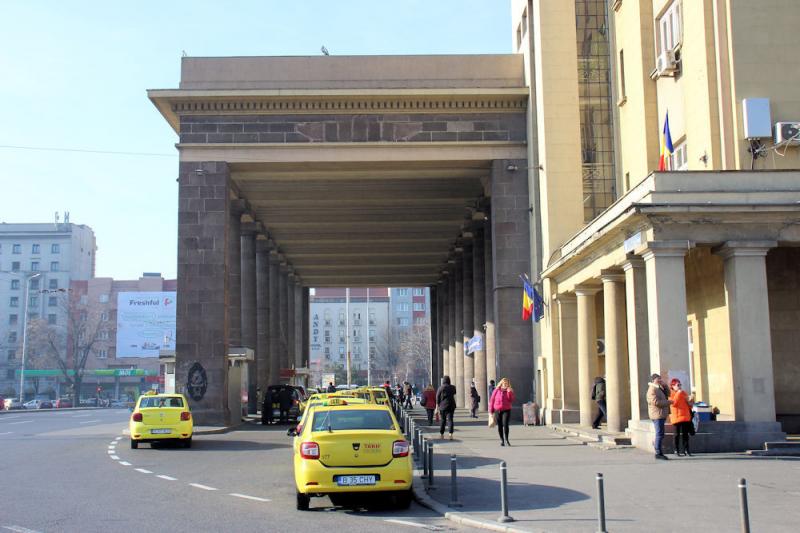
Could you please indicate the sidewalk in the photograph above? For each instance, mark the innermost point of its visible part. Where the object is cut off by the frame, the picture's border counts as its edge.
(552, 483)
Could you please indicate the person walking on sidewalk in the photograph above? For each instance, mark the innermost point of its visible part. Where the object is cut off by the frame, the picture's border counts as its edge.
(500, 407)
(408, 393)
(491, 387)
(475, 399)
(446, 403)
(599, 396)
(658, 410)
(680, 414)
(429, 402)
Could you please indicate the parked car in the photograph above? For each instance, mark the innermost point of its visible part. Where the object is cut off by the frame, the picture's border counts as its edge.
(62, 403)
(12, 403)
(119, 404)
(38, 404)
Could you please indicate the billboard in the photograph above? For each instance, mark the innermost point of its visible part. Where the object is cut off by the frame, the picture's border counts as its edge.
(145, 323)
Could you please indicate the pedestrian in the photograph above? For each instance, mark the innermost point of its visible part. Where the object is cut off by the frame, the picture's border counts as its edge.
(476, 400)
(409, 394)
(491, 387)
(429, 402)
(401, 398)
(680, 415)
(658, 408)
(599, 396)
(266, 408)
(500, 407)
(331, 387)
(446, 404)
(284, 403)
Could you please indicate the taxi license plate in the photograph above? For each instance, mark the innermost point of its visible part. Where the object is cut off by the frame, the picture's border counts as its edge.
(348, 481)
(160, 431)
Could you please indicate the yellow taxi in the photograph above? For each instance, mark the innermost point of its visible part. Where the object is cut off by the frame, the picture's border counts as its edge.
(374, 394)
(158, 417)
(324, 395)
(346, 446)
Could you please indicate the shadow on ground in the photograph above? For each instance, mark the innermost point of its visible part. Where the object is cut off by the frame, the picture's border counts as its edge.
(206, 444)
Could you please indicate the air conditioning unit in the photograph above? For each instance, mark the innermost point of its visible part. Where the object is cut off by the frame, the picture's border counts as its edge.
(787, 132)
(666, 63)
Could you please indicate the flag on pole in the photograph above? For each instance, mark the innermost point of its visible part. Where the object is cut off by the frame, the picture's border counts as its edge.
(532, 302)
(666, 146)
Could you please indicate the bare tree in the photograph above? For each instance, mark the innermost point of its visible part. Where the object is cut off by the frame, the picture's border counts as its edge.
(69, 343)
(414, 354)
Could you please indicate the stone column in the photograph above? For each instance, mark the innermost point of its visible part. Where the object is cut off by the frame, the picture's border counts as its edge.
(235, 272)
(274, 316)
(451, 324)
(587, 350)
(283, 303)
(491, 338)
(444, 336)
(306, 322)
(511, 253)
(203, 301)
(290, 320)
(568, 356)
(468, 313)
(638, 336)
(479, 314)
(298, 322)
(459, 330)
(434, 328)
(262, 312)
(666, 306)
(615, 332)
(248, 306)
(746, 297)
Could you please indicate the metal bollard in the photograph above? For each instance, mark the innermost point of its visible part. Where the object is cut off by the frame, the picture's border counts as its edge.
(424, 459)
(453, 484)
(430, 465)
(421, 445)
(504, 493)
(743, 502)
(601, 505)
(417, 452)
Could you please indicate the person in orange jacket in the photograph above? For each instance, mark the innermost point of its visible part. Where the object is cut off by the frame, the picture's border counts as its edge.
(680, 414)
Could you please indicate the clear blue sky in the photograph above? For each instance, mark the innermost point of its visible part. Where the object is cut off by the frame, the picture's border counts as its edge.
(74, 76)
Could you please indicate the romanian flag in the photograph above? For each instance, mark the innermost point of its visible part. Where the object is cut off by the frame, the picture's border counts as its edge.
(666, 146)
(532, 302)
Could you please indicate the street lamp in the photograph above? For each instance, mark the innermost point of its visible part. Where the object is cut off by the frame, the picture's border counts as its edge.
(28, 279)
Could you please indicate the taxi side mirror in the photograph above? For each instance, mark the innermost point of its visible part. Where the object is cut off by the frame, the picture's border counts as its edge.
(292, 432)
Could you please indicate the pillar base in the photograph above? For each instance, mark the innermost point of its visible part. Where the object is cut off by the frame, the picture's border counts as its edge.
(563, 416)
(712, 437)
(211, 417)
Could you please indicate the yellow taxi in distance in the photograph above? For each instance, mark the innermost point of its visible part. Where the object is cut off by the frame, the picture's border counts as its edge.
(374, 394)
(324, 395)
(158, 417)
(351, 447)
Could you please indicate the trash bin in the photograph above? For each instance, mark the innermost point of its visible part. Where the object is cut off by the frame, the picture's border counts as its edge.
(703, 411)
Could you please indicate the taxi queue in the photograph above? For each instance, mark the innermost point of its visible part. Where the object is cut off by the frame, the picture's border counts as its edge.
(346, 444)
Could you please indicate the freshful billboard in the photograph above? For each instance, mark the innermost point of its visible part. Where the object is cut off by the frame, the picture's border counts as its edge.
(145, 323)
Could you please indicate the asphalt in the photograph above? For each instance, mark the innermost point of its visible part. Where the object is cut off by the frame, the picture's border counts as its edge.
(75, 472)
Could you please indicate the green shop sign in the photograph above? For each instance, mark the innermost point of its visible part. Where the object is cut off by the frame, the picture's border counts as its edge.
(101, 372)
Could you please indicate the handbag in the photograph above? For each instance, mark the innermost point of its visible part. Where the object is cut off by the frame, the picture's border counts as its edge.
(492, 422)
(436, 415)
(423, 401)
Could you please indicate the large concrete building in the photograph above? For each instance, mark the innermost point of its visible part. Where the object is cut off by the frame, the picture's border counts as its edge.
(460, 173)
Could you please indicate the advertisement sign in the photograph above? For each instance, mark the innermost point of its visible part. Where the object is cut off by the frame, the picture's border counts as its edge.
(145, 323)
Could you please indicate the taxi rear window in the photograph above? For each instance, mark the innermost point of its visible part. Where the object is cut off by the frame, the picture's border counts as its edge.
(379, 394)
(155, 401)
(352, 419)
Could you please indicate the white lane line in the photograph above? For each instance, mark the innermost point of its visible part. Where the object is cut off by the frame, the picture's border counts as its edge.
(115, 457)
(6, 432)
(81, 416)
(88, 421)
(124, 463)
(246, 497)
(168, 478)
(10, 417)
(118, 439)
(111, 452)
(112, 447)
(143, 471)
(20, 529)
(199, 486)
(414, 524)
(23, 422)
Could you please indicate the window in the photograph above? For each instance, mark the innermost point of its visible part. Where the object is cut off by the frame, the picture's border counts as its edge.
(52, 301)
(103, 298)
(372, 351)
(33, 316)
(102, 354)
(678, 159)
(34, 284)
(84, 299)
(34, 266)
(14, 284)
(372, 335)
(402, 307)
(53, 284)
(16, 249)
(54, 266)
(420, 321)
(402, 321)
(36, 249)
(327, 353)
(12, 337)
(15, 266)
(341, 338)
(12, 354)
(10, 373)
(83, 316)
(670, 28)
(51, 319)
(419, 292)
(55, 249)
(327, 336)
(402, 292)
(341, 350)
(13, 301)
(12, 320)
(34, 301)
(103, 335)
(419, 307)
(104, 316)
(622, 96)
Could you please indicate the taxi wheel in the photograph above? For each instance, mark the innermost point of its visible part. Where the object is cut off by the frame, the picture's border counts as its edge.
(403, 499)
(134, 444)
(302, 501)
(187, 443)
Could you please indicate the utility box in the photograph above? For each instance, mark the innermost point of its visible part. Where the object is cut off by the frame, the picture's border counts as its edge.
(757, 118)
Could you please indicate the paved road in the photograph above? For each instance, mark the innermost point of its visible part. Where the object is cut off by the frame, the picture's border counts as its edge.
(74, 471)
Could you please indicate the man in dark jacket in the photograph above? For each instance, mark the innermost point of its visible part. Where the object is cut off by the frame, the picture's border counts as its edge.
(266, 408)
(446, 403)
(285, 403)
(331, 387)
(599, 396)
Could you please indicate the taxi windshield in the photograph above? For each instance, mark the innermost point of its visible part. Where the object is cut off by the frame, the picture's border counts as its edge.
(379, 394)
(352, 419)
(155, 401)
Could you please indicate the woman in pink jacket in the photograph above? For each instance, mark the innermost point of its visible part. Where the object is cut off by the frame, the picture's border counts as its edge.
(500, 408)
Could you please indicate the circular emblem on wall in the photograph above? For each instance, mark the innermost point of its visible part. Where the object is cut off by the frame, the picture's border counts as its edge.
(197, 383)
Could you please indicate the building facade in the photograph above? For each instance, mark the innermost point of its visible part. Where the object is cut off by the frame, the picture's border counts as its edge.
(47, 258)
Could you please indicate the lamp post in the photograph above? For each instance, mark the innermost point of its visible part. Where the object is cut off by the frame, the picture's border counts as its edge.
(28, 279)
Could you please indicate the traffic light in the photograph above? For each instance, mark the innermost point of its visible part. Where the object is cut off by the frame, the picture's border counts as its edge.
(99, 389)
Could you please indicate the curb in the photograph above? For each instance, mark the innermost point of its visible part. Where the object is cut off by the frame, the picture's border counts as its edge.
(218, 431)
(32, 411)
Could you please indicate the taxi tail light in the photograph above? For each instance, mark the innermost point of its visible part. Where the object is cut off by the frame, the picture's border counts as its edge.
(309, 450)
(186, 415)
(400, 448)
(137, 417)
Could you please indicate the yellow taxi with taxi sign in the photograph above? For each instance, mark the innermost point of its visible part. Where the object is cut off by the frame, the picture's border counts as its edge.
(374, 394)
(158, 417)
(347, 446)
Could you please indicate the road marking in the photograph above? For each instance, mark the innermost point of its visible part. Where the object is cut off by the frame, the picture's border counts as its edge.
(80, 416)
(143, 471)
(246, 497)
(10, 417)
(168, 478)
(20, 529)
(118, 439)
(23, 422)
(414, 524)
(199, 486)
(124, 463)
(88, 421)
(111, 452)
(6, 433)
(112, 447)
(115, 457)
